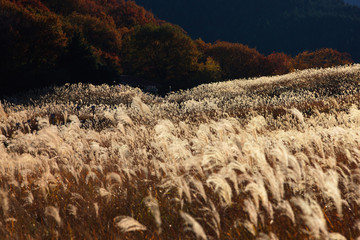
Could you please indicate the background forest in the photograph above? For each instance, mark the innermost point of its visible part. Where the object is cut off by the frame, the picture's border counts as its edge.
(52, 42)
(289, 26)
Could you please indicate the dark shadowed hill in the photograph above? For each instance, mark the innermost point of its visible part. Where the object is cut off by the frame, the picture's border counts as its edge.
(353, 2)
(290, 26)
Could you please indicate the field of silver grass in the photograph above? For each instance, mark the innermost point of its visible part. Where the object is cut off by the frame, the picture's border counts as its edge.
(267, 158)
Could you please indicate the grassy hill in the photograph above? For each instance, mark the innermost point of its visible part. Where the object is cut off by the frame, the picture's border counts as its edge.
(272, 157)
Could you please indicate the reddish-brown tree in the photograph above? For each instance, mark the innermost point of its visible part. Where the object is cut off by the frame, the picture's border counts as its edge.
(128, 14)
(34, 4)
(100, 34)
(237, 60)
(278, 63)
(29, 37)
(323, 58)
(161, 53)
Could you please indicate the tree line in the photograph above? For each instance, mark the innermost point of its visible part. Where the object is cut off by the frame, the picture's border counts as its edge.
(52, 42)
(289, 26)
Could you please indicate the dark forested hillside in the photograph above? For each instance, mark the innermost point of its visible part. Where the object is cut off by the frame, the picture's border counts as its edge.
(353, 2)
(289, 26)
(53, 42)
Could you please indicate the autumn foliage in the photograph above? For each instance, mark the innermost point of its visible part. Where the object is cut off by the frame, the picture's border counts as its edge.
(47, 42)
(30, 43)
(162, 52)
(34, 4)
(278, 64)
(36, 38)
(326, 57)
(128, 14)
(240, 61)
(166, 54)
(237, 60)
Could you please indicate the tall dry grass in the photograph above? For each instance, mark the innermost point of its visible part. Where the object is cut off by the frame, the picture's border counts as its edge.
(268, 158)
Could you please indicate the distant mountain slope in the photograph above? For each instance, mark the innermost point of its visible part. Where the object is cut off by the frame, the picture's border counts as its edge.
(290, 26)
(353, 2)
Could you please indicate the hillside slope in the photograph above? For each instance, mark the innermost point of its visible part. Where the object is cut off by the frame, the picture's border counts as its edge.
(353, 2)
(266, 158)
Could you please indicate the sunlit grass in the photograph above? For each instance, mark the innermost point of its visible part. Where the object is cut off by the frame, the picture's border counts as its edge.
(268, 158)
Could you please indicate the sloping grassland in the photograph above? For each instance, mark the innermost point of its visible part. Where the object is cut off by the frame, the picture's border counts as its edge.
(267, 158)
